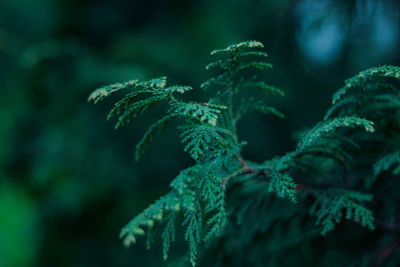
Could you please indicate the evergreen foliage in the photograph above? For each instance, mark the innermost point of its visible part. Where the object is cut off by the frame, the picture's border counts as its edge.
(225, 201)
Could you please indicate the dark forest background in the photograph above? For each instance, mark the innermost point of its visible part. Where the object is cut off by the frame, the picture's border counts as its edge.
(68, 180)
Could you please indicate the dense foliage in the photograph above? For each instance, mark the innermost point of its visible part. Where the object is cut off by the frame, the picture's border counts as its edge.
(343, 169)
(69, 181)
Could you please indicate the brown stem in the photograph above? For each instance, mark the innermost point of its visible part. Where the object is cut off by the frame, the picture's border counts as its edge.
(247, 169)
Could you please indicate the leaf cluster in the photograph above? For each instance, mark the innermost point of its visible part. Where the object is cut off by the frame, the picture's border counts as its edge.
(330, 174)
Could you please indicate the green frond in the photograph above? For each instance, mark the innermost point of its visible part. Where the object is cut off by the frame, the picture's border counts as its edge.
(264, 88)
(226, 65)
(178, 88)
(202, 112)
(268, 110)
(182, 182)
(387, 162)
(223, 186)
(238, 46)
(380, 103)
(210, 189)
(156, 83)
(200, 138)
(133, 110)
(344, 103)
(278, 164)
(252, 53)
(218, 221)
(128, 107)
(168, 235)
(343, 139)
(147, 218)
(223, 64)
(105, 91)
(154, 129)
(221, 80)
(329, 207)
(150, 237)
(366, 99)
(283, 186)
(255, 65)
(328, 126)
(333, 152)
(193, 222)
(250, 104)
(364, 77)
(339, 93)
(213, 194)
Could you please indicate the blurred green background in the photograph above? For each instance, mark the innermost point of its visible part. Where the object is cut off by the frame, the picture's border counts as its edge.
(69, 182)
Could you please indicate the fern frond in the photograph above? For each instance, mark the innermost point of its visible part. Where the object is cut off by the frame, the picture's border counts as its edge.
(343, 139)
(382, 103)
(210, 188)
(181, 183)
(201, 193)
(154, 129)
(200, 138)
(147, 219)
(156, 83)
(250, 104)
(329, 208)
(193, 222)
(322, 150)
(105, 91)
(344, 103)
(219, 220)
(268, 110)
(168, 234)
(134, 110)
(252, 53)
(221, 80)
(328, 126)
(283, 186)
(202, 112)
(241, 45)
(387, 162)
(178, 88)
(223, 64)
(264, 88)
(363, 77)
(255, 65)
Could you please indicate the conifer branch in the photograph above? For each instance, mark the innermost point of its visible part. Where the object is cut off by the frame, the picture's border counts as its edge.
(325, 172)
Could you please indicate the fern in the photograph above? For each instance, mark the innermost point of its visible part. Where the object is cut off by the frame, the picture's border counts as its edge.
(330, 205)
(202, 112)
(157, 127)
(283, 185)
(363, 77)
(331, 125)
(387, 162)
(200, 138)
(324, 176)
(193, 223)
(168, 234)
